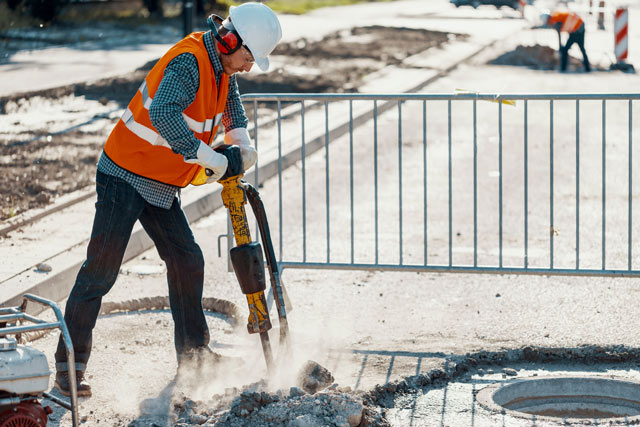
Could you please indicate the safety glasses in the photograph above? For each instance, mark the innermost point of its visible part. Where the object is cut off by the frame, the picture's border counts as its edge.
(248, 57)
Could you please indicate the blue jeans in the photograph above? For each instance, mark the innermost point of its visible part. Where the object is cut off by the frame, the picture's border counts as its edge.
(118, 207)
(578, 38)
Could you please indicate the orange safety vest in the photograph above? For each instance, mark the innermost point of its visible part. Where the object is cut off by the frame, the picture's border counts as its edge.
(570, 21)
(135, 145)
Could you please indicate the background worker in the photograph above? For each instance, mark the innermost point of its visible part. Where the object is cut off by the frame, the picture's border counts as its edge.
(568, 22)
(161, 144)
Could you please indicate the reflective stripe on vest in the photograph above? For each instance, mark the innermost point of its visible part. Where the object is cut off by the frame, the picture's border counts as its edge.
(571, 24)
(148, 134)
(151, 135)
(570, 21)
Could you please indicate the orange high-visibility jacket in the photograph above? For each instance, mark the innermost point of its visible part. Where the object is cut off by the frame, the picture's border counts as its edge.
(570, 21)
(135, 145)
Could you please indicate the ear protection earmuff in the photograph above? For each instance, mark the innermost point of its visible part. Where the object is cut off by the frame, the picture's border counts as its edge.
(229, 41)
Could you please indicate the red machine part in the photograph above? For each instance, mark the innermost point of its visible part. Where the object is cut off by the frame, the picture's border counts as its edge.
(25, 414)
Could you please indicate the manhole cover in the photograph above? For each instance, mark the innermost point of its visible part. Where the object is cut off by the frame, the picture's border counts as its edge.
(568, 398)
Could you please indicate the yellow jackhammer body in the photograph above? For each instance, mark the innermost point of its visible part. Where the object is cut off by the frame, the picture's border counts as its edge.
(247, 256)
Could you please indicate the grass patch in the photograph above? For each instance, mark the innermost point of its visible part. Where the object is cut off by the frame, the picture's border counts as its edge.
(128, 13)
(299, 7)
(10, 211)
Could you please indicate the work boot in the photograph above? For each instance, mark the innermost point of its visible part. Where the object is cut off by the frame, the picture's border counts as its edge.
(203, 362)
(198, 358)
(62, 383)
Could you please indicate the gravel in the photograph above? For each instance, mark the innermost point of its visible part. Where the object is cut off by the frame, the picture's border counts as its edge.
(253, 405)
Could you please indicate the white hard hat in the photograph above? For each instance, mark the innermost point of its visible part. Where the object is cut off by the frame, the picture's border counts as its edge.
(259, 28)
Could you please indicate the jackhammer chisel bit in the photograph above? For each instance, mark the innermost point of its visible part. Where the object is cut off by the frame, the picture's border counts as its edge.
(277, 287)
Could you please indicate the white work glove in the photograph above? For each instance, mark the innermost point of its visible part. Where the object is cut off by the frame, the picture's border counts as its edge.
(240, 137)
(209, 159)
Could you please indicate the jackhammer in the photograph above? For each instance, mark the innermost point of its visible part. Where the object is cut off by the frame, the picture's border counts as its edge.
(247, 256)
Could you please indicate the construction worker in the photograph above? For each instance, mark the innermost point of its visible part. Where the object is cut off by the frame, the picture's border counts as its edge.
(163, 143)
(568, 22)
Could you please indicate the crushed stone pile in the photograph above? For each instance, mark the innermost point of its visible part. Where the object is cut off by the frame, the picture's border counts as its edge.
(536, 56)
(315, 401)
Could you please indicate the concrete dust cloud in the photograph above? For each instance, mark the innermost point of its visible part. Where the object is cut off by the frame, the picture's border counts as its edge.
(300, 398)
(237, 390)
(231, 387)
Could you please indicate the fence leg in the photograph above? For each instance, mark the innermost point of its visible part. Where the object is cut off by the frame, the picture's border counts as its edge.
(601, 16)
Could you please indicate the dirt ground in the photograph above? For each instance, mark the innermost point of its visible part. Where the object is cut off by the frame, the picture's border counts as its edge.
(50, 141)
(537, 57)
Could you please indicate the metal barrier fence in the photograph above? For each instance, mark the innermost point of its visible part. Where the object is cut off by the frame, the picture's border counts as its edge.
(514, 183)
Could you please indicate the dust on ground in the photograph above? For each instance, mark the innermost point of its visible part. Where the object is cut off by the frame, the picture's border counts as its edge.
(50, 141)
(228, 392)
(231, 393)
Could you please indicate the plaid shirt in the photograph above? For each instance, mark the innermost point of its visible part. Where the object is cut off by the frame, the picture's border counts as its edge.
(176, 92)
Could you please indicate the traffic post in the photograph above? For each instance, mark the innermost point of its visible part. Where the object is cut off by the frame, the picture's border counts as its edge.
(621, 46)
(188, 11)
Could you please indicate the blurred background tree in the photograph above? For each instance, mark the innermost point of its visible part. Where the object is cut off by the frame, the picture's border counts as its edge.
(45, 10)
(202, 7)
(154, 7)
(48, 10)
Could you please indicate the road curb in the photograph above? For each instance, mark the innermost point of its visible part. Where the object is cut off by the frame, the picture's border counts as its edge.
(60, 204)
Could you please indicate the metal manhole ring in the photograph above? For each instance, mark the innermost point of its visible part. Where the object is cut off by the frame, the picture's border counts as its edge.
(566, 399)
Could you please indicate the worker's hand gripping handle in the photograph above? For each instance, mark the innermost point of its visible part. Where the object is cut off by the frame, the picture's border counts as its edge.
(234, 157)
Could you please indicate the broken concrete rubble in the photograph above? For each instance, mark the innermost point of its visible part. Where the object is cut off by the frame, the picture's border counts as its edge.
(261, 408)
(313, 377)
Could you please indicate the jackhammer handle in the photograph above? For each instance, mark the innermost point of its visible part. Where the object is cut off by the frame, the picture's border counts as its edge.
(234, 157)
